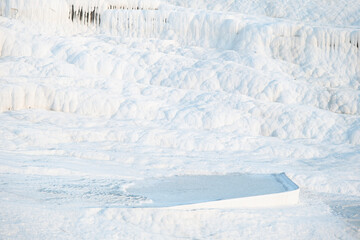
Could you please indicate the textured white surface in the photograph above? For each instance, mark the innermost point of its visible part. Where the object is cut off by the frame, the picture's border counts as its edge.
(177, 88)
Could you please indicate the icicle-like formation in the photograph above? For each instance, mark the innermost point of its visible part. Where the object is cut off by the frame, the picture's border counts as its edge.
(85, 15)
(136, 18)
(337, 39)
(295, 42)
(226, 31)
(133, 5)
(190, 28)
(79, 11)
(203, 29)
(89, 12)
(355, 39)
(133, 23)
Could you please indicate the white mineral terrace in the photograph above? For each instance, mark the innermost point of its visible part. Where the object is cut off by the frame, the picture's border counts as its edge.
(173, 119)
(217, 191)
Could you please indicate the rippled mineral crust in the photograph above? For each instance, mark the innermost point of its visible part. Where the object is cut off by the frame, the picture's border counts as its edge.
(96, 96)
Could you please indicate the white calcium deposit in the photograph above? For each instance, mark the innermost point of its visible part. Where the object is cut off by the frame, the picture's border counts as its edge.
(96, 95)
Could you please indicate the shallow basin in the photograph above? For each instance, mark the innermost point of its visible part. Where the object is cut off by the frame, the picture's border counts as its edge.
(217, 191)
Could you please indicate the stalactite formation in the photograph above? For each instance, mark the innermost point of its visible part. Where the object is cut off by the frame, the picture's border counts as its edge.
(355, 43)
(329, 40)
(137, 18)
(130, 8)
(91, 15)
(85, 16)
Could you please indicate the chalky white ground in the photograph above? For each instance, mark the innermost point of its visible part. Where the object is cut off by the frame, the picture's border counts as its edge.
(177, 88)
